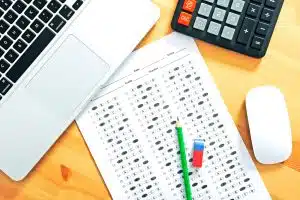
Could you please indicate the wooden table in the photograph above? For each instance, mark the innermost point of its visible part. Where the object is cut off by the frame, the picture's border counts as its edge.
(234, 74)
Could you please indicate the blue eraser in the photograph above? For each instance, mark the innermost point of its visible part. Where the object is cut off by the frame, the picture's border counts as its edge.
(198, 145)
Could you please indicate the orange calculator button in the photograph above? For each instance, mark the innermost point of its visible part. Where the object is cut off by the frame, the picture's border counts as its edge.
(184, 18)
(189, 5)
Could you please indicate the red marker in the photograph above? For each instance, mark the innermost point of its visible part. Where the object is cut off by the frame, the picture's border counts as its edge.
(198, 153)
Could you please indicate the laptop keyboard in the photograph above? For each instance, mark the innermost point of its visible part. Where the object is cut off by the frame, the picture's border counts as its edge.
(26, 29)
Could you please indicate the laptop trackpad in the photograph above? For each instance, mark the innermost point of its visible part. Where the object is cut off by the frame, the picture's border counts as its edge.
(67, 78)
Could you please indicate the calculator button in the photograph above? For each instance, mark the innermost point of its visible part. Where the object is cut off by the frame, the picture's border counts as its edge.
(228, 33)
(238, 5)
(200, 23)
(272, 3)
(219, 14)
(184, 19)
(253, 10)
(214, 28)
(266, 15)
(189, 5)
(246, 30)
(204, 9)
(232, 19)
(257, 42)
(262, 28)
(223, 3)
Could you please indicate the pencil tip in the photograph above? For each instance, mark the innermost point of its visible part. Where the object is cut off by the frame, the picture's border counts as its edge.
(178, 123)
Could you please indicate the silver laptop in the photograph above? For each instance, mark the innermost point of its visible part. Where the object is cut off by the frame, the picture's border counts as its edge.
(54, 56)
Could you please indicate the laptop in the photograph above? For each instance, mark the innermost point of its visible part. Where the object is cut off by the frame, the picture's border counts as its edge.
(55, 54)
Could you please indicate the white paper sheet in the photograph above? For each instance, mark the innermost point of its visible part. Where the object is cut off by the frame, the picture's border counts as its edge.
(129, 128)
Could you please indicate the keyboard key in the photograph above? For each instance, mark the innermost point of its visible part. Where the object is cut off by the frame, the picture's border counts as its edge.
(246, 30)
(219, 14)
(14, 32)
(204, 9)
(57, 23)
(33, 51)
(11, 56)
(45, 15)
(5, 86)
(184, 19)
(78, 3)
(54, 6)
(272, 3)
(257, 42)
(228, 33)
(266, 15)
(39, 3)
(4, 65)
(233, 19)
(66, 12)
(63, 1)
(1, 13)
(22, 22)
(253, 10)
(3, 26)
(19, 6)
(37, 26)
(200, 23)
(28, 36)
(188, 5)
(5, 42)
(20, 46)
(262, 28)
(10, 16)
(223, 3)
(238, 5)
(214, 28)
(31, 12)
(5, 4)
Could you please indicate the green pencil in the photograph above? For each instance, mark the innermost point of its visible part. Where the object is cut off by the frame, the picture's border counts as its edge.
(184, 165)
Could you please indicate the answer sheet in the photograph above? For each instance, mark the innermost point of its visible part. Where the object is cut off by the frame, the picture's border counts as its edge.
(130, 129)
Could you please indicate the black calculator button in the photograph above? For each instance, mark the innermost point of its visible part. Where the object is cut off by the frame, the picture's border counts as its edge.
(11, 56)
(3, 26)
(37, 26)
(272, 3)
(4, 4)
(257, 42)
(237, 5)
(10, 16)
(246, 30)
(57, 23)
(262, 28)
(5, 86)
(77, 4)
(257, 1)
(267, 15)
(20, 46)
(253, 10)
(4, 65)
(31, 12)
(66, 12)
(19, 6)
(22, 22)
(205, 10)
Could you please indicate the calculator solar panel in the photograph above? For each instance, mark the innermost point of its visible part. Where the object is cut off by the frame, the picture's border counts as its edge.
(244, 26)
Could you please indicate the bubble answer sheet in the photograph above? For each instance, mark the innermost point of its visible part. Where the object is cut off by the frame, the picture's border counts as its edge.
(129, 128)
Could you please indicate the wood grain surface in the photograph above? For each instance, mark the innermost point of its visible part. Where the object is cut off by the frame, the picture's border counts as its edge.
(67, 171)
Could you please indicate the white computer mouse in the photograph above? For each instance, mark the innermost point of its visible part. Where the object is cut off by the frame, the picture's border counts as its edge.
(269, 125)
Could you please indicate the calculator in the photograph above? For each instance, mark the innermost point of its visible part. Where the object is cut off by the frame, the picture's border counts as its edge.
(244, 26)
